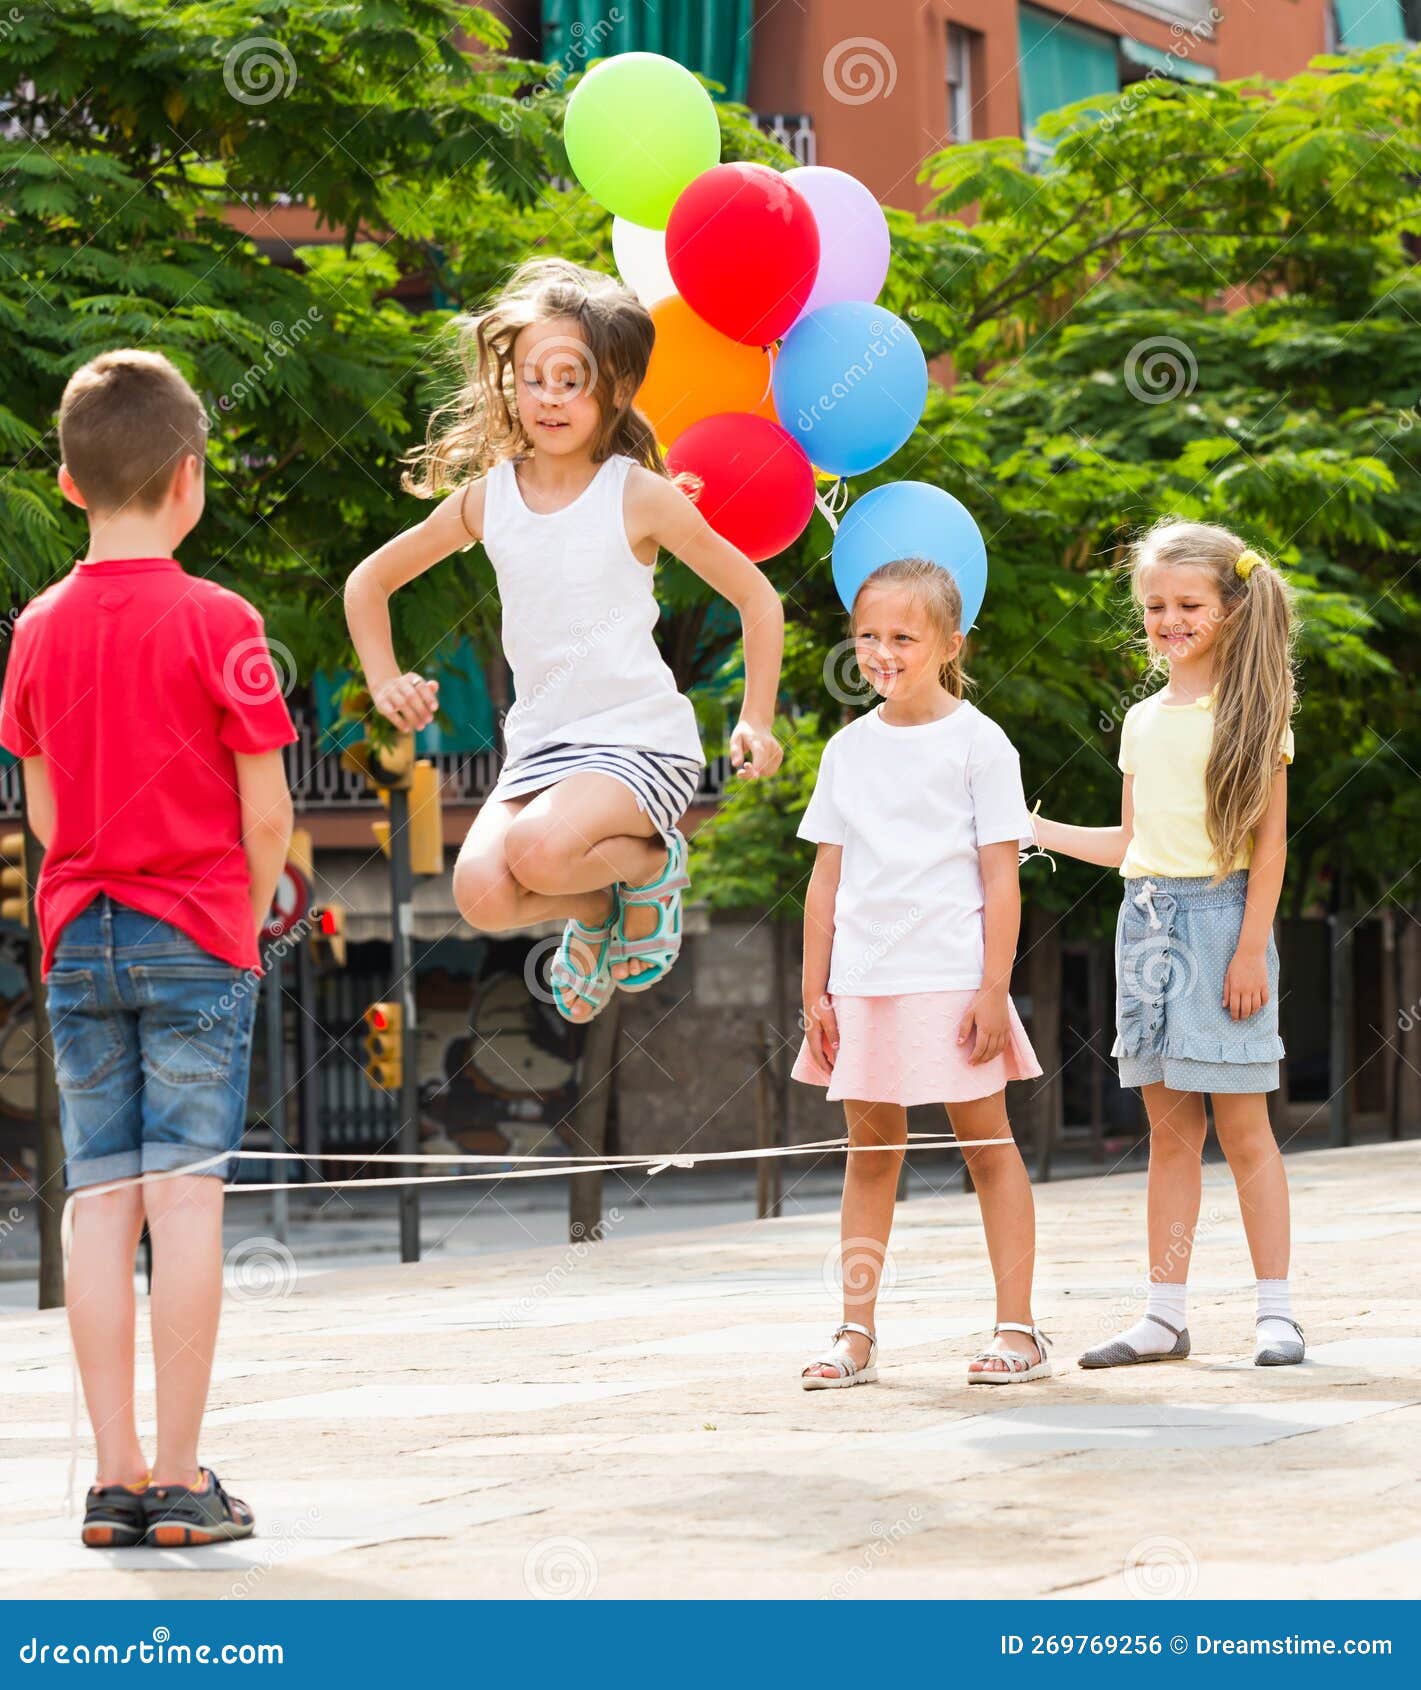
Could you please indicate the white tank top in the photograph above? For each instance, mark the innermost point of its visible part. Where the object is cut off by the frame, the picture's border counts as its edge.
(578, 613)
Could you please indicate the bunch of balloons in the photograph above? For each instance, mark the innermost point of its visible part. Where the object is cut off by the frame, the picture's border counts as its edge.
(730, 259)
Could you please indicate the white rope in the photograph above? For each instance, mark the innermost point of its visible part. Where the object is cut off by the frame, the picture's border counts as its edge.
(551, 1167)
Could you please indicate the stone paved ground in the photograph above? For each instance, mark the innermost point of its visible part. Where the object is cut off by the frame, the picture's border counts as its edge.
(627, 1420)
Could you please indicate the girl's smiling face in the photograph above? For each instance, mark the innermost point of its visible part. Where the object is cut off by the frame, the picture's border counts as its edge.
(556, 377)
(896, 643)
(1183, 611)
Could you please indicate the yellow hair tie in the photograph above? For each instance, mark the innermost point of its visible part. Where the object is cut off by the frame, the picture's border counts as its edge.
(1248, 561)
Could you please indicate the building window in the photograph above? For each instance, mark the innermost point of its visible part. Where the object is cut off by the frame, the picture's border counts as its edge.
(793, 132)
(1059, 64)
(959, 83)
(1372, 23)
(1198, 16)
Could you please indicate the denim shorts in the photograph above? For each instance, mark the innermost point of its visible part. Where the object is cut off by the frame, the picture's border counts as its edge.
(152, 1046)
(1173, 945)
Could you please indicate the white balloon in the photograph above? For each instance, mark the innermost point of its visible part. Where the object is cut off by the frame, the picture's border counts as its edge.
(641, 259)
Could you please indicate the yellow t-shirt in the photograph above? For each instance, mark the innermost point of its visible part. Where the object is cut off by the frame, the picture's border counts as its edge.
(1165, 747)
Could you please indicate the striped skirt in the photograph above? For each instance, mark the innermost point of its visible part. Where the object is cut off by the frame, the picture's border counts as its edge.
(662, 782)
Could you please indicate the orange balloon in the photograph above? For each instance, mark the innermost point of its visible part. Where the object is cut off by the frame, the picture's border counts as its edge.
(696, 372)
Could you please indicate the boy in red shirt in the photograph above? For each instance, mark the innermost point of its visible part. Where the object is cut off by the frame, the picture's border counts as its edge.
(149, 719)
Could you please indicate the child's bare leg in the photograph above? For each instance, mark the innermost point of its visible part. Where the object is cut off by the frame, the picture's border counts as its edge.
(185, 1221)
(1178, 1127)
(489, 897)
(866, 1214)
(1246, 1137)
(1008, 1217)
(584, 834)
(100, 1302)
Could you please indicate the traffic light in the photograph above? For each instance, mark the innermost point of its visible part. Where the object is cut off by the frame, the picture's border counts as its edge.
(16, 904)
(384, 1025)
(328, 935)
(426, 823)
(384, 766)
(426, 820)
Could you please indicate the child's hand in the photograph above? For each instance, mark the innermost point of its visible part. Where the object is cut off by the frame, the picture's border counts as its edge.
(409, 701)
(1246, 983)
(985, 1026)
(752, 743)
(821, 1028)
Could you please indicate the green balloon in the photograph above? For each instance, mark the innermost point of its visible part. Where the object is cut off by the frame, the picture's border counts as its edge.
(639, 127)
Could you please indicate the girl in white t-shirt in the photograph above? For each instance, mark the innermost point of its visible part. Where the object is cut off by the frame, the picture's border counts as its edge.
(910, 929)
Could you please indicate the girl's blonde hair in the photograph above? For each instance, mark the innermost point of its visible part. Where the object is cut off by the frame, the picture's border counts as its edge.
(480, 427)
(1254, 687)
(933, 588)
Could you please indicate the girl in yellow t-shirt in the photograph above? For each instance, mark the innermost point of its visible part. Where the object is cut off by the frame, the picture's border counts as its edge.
(1202, 843)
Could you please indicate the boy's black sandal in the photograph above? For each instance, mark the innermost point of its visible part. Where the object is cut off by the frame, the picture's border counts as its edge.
(181, 1518)
(114, 1517)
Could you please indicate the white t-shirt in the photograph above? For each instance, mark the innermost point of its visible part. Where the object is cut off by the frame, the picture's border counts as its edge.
(911, 806)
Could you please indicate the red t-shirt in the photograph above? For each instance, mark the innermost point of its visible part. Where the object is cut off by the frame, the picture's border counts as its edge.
(138, 684)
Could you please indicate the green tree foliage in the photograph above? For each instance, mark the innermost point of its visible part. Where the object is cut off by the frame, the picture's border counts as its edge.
(1207, 306)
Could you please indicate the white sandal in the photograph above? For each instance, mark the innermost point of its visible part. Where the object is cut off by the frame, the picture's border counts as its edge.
(1017, 1370)
(849, 1372)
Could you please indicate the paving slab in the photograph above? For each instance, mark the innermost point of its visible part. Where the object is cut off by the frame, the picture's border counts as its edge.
(626, 1420)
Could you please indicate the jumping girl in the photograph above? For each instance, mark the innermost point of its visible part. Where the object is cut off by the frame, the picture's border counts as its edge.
(562, 479)
(1202, 843)
(910, 928)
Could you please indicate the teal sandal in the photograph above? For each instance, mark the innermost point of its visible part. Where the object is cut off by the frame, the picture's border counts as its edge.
(662, 945)
(566, 979)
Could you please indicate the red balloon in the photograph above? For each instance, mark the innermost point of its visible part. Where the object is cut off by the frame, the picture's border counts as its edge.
(743, 249)
(758, 490)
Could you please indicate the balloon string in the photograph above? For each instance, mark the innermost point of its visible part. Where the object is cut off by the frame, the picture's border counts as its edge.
(773, 349)
(834, 504)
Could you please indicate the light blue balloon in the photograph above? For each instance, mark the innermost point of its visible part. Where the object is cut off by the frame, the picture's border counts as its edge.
(911, 519)
(850, 384)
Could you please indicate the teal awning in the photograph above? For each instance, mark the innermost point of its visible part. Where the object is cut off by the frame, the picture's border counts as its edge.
(1059, 64)
(711, 37)
(463, 698)
(1168, 64)
(1369, 23)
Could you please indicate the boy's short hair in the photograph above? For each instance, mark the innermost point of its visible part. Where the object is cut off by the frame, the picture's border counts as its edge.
(127, 419)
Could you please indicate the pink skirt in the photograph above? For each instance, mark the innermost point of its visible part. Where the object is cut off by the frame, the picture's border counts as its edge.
(904, 1049)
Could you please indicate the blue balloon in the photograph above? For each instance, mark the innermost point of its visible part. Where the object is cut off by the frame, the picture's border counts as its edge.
(850, 384)
(911, 519)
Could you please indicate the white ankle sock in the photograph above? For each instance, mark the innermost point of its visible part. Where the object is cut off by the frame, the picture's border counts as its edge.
(1275, 1314)
(1168, 1303)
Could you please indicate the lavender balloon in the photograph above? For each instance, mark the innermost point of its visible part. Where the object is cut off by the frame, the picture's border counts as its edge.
(853, 235)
